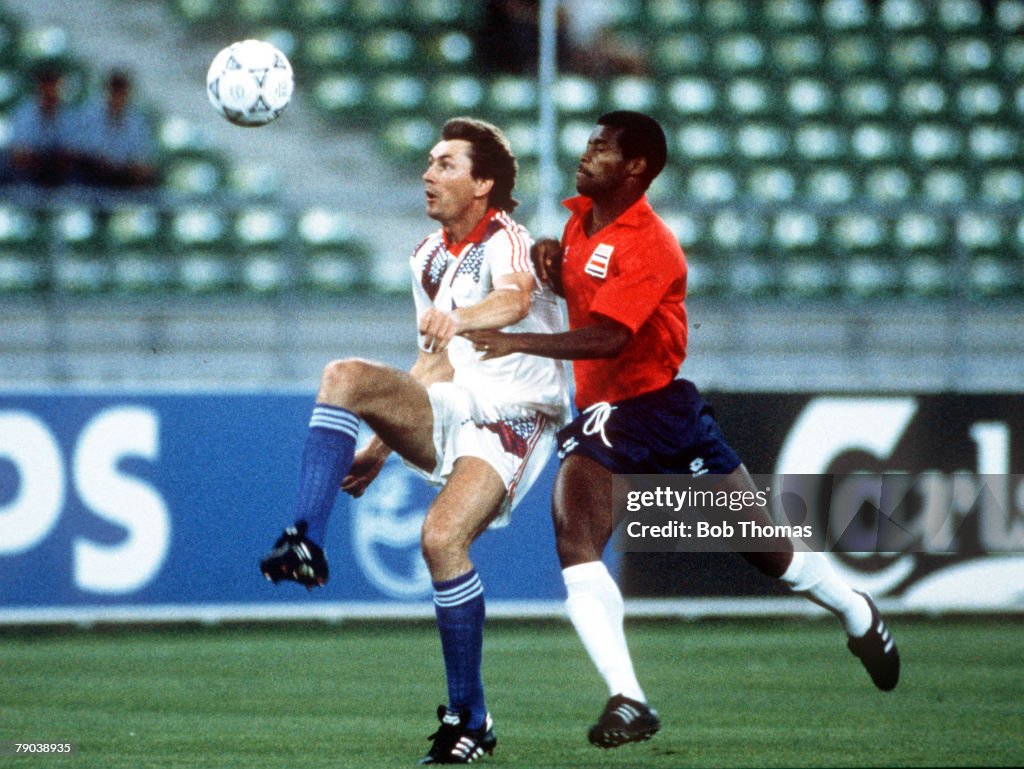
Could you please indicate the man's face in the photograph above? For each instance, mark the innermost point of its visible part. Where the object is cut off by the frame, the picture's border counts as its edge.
(448, 181)
(601, 167)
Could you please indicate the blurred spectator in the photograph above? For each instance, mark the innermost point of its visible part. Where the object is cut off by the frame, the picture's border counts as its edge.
(509, 39)
(115, 143)
(595, 48)
(42, 132)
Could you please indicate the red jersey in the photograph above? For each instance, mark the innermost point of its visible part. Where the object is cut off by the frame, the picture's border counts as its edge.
(634, 272)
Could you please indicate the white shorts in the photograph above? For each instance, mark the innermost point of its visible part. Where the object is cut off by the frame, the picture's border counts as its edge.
(514, 440)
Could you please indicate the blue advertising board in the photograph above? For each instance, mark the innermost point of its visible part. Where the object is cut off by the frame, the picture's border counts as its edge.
(121, 500)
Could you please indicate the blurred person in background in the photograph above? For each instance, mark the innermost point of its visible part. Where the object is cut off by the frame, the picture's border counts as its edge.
(114, 142)
(43, 134)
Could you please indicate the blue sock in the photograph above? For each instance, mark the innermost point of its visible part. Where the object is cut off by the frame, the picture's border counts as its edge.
(326, 460)
(459, 607)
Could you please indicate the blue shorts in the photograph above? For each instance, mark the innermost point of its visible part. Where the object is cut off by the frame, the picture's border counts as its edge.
(670, 431)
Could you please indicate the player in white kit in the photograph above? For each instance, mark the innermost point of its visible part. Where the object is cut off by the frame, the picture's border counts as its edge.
(482, 430)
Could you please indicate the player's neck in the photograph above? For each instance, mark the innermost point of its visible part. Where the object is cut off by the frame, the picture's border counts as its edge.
(607, 210)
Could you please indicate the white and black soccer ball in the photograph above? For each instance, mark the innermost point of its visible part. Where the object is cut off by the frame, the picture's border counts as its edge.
(250, 83)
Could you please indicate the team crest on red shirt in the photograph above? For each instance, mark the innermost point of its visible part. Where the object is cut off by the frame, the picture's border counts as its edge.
(597, 264)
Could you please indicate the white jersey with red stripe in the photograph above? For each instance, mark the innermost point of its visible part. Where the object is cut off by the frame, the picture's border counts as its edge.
(448, 276)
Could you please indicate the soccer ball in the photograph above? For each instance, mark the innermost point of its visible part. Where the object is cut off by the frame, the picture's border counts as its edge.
(250, 83)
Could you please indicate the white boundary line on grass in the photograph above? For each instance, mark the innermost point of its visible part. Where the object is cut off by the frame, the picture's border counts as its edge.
(678, 608)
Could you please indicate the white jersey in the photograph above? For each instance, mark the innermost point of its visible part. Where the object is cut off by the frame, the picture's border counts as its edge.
(449, 276)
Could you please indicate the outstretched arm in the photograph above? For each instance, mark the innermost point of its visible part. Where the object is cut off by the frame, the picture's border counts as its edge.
(605, 338)
(508, 303)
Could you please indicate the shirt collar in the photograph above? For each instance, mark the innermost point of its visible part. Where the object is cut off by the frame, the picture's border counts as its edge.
(475, 236)
(631, 217)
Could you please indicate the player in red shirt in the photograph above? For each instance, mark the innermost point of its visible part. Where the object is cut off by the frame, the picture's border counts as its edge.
(623, 276)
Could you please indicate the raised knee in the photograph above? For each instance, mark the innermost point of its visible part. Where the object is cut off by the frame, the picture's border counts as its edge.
(341, 380)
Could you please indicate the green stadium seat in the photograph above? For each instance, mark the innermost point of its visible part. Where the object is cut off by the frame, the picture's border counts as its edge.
(935, 143)
(981, 233)
(809, 277)
(432, 14)
(993, 276)
(12, 88)
(343, 96)
(692, 96)
(1010, 16)
(854, 54)
(254, 180)
(918, 233)
(681, 53)
(808, 98)
(787, 15)
(958, 17)
(374, 13)
(200, 12)
(319, 14)
(830, 184)
(711, 183)
(970, 56)
(576, 95)
(866, 99)
(10, 34)
(44, 43)
(762, 141)
(1002, 185)
(989, 143)
(888, 184)
(748, 276)
(511, 94)
(796, 231)
(388, 48)
(866, 276)
(194, 173)
(325, 49)
(636, 93)
(251, 12)
(818, 142)
(23, 263)
(845, 15)
(333, 259)
(397, 93)
(912, 55)
(409, 138)
(876, 142)
(1012, 63)
(703, 140)
(772, 184)
(792, 55)
(457, 94)
(927, 276)
(980, 100)
(137, 249)
(750, 97)
(573, 136)
(523, 135)
(197, 228)
(671, 14)
(946, 185)
(452, 49)
(724, 15)
(860, 232)
(902, 15)
(740, 53)
(922, 99)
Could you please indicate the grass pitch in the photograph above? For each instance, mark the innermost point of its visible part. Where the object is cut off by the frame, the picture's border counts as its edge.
(737, 693)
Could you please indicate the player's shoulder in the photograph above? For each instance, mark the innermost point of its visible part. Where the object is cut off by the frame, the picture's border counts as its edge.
(429, 244)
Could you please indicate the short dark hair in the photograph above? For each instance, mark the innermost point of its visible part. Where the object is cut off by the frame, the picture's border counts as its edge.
(491, 155)
(642, 136)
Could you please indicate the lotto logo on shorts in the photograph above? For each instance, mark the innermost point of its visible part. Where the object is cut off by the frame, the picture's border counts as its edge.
(597, 265)
(697, 467)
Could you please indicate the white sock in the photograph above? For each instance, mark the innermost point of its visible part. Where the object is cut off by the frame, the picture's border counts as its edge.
(811, 573)
(596, 610)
